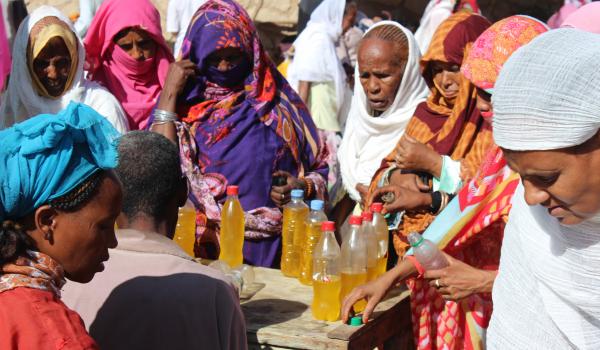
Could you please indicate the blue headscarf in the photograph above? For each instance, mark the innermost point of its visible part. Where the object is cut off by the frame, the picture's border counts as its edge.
(45, 157)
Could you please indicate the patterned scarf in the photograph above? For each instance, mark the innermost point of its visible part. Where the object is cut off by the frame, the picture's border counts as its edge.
(37, 270)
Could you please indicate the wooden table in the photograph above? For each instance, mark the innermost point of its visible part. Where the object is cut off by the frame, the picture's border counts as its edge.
(278, 316)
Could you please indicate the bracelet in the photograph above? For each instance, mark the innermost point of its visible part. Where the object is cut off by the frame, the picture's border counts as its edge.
(163, 117)
(309, 187)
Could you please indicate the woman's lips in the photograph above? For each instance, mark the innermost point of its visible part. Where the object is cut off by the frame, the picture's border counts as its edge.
(557, 211)
(377, 104)
(487, 114)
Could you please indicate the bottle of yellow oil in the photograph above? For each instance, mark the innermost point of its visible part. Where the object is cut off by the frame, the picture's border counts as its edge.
(185, 231)
(232, 229)
(294, 217)
(368, 232)
(312, 236)
(326, 278)
(382, 231)
(354, 261)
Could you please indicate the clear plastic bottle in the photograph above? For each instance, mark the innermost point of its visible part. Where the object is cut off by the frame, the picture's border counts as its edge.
(185, 231)
(294, 217)
(326, 279)
(368, 232)
(426, 252)
(232, 229)
(311, 238)
(381, 229)
(354, 261)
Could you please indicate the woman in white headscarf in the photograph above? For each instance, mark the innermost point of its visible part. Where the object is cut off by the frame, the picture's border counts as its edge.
(388, 88)
(316, 72)
(546, 120)
(49, 73)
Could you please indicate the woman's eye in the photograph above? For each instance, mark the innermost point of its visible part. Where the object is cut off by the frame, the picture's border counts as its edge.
(126, 47)
(545, 180)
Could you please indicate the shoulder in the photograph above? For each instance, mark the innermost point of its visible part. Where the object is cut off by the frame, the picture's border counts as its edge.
(37, 319)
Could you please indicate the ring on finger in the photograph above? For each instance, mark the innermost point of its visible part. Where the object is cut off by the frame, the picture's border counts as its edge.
(282, 196)
(437, 283)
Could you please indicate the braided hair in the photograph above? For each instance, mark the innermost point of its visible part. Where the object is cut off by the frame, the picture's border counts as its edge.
(14, 240)
(390, 33)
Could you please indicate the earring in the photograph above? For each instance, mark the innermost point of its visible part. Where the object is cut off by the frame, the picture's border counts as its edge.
(47, 236)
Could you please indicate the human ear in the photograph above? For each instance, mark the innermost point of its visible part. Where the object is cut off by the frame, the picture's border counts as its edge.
(45, 221)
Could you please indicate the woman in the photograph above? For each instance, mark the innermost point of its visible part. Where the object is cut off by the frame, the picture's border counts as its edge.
(49, 73)
(59, 200)
(546, 122)
(470, 229)
(317, 73)
(445, 141)
(127, 54)
(241, 124)
(387, 91)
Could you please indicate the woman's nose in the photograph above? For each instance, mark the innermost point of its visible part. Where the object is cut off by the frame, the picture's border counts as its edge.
(224, 66)
(533, 194)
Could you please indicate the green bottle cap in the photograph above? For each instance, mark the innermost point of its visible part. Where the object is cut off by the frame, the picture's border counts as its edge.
(356, 321)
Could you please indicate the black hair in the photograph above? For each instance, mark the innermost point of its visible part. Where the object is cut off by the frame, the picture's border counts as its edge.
(150, 172)
(14, 241)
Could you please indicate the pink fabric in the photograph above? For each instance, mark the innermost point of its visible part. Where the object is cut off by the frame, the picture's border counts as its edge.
(135, 84)
(558, 18)
(585, 18)
(5, 60)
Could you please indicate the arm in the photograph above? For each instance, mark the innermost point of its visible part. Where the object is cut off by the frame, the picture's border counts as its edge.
(304, 90)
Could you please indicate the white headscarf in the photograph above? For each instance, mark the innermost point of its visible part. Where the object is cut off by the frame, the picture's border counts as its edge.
(436, 12)
(546, 294)
(368, 139)
(21, 101)
(315, 57)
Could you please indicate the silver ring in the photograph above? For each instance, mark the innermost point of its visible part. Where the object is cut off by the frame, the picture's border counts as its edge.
(437, 283)
(282, 196)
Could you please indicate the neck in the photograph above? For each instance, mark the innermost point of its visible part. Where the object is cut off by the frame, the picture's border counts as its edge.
(146, 223)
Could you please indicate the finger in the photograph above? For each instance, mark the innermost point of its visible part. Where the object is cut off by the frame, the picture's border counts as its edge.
(347, 304)
(420, 185)
(368, 310)
(282, 173)
(450, 259)
(409, 138)
(282, 189)
(433, 274)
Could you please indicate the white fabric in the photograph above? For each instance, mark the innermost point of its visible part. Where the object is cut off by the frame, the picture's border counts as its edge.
(547, 95)
(368, 139)
(152, 295)
(546, 294)
(179, 14)
(87, 10)
(20, 100)
(315, 58)
(436, 12)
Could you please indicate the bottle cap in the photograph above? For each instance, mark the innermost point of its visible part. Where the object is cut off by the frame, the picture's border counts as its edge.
(356, 321)
(377, 207)
(367, 216)
(355, 220)
(316, 204)
(298, 194)
(233, 190)
(328, 226)
(415, 239)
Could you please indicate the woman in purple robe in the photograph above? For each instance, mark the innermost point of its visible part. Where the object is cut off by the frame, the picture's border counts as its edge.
(238, 122)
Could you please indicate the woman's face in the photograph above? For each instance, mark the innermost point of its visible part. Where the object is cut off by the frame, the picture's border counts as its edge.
(52, 66)
(446, 78)
(226, 58)
(380, 67)
(561, 180)
(137, 43)
(80, 239)
(484, 104)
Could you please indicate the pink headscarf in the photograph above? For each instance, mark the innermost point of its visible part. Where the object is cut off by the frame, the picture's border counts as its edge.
(136, 84)
(586, 18)
(5, 60)
(564, 12)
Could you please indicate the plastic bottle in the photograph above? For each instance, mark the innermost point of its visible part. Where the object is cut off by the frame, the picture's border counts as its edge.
(426, 252)
(381, 229)
(354, 261)
(370, 236)
(185, 231)
(294, 216)
(311, 238)
(326, 277)
(232, 229)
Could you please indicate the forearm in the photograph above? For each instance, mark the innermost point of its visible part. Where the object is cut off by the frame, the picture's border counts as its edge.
(167, 102)
(303, 90)
(403, 270)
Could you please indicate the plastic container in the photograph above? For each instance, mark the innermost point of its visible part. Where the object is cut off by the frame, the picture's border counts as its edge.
(383, 235)
(426, 252)
(232, 229)
(370, 236)
(354, 261)
(326, 277)
(185, 231)
(294, 216)
(311, 238)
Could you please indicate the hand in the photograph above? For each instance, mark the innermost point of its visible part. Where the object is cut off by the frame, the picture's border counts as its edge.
(177, 76)
(413, 155)
(403, 199)
(459, 280)
(281, 195)
(409, 181)
(363, 191)
(373, 291)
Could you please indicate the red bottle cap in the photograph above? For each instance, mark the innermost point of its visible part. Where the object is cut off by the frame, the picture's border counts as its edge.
(233, 190)
(328, 226)
(355, 220)
(367, 216)
(377, 207)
